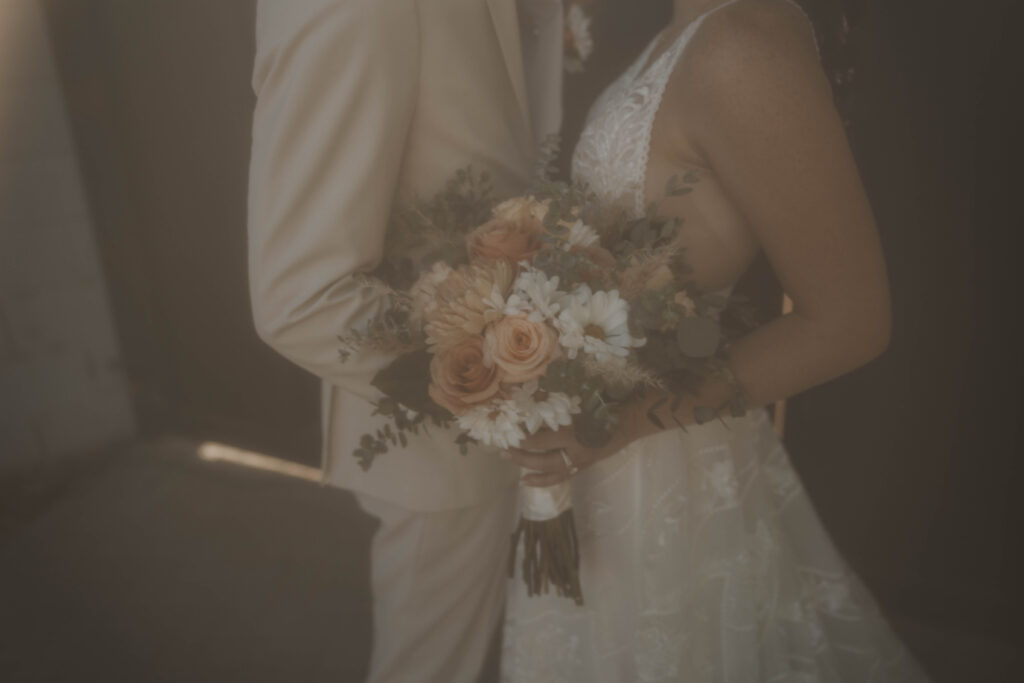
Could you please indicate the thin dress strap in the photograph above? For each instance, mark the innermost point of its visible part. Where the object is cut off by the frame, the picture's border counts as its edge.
(612, 154)
(657, 74)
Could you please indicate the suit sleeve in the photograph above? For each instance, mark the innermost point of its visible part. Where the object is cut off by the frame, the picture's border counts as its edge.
(336, 84)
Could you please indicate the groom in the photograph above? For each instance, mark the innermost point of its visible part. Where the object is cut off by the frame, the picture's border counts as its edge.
(362, 104)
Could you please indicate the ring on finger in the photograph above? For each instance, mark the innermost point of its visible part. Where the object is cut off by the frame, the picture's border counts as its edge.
(569, 464)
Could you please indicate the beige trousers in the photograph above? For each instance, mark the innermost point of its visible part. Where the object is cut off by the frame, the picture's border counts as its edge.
(438, 582)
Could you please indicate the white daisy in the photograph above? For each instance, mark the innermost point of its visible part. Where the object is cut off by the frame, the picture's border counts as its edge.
(597, 322)
(494, 301)
(580, 235)
(534, 295)
(497, 423)
(541, 409)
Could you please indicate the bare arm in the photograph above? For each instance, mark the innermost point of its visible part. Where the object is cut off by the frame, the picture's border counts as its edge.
(336, 83)
(760, 110)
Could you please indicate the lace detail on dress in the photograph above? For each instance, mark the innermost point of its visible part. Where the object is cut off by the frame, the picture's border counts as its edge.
(703, 560)
(614, 149)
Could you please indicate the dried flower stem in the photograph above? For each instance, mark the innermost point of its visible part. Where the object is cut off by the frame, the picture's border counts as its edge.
(551, 556)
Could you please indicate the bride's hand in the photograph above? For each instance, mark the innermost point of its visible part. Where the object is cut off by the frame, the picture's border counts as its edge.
(543, 451)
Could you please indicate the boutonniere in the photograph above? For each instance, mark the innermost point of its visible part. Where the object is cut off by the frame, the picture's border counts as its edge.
(579, 43)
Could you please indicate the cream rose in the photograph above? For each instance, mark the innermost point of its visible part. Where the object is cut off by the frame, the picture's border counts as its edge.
(504, 239)
(460, 377)
(522, 208)
(520, 347)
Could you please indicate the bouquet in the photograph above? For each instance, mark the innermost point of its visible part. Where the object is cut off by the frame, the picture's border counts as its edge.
(545, 310)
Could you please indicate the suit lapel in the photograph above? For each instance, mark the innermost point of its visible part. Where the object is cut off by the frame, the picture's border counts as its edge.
(506, 25)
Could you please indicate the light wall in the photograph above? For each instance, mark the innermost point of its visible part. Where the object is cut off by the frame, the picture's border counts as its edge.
(62, 387)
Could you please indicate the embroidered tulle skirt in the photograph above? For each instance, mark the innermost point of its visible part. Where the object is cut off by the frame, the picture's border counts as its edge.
(703, 560)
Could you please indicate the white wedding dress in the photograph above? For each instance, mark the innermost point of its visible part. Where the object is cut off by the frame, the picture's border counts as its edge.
(703, 560)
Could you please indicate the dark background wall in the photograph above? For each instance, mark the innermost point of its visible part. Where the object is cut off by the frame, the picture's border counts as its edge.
(914, 461)
(161, 107)
(915, 457)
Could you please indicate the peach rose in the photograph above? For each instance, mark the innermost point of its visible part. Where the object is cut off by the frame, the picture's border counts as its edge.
(520, 347)
(505, 239)
(461, 379)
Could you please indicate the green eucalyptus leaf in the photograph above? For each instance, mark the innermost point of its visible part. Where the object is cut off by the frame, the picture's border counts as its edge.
(364, 457)
(406, 381)
(698, 337)
(652, 413)
(672, 185)
(387, 406)
(594, 432)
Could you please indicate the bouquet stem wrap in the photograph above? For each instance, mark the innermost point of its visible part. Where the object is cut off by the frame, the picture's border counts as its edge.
(551, 551)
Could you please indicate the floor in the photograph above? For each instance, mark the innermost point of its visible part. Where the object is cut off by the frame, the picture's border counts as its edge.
(152, 565)
(148, 564)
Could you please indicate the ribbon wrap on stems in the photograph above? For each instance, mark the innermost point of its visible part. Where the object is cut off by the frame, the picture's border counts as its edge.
(551, 553)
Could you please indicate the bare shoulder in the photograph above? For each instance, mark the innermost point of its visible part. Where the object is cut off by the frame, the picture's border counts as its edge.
(753, 49)
(749, 34)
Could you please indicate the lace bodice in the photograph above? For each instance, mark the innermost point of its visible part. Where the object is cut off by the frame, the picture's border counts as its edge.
(614, 148)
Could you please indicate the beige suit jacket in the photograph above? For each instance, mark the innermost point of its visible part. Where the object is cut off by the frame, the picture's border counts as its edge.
(362, 104)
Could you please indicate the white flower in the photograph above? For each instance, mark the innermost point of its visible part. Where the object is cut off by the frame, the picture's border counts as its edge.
(534, 295)
(424, 291)
(578, 25)
(580, 235)
(494, 301)
(541, 409)
(497, 423)
(597, 322)
(522, 208)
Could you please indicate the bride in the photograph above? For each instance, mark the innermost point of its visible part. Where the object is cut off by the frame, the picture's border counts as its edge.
(702, 557)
